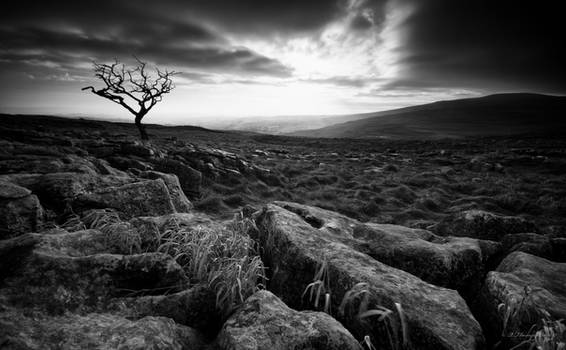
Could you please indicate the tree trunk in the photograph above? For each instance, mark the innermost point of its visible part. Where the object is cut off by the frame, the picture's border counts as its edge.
(141, 127)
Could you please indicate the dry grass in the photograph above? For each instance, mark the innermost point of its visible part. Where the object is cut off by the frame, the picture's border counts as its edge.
(120, 234)
(527, 325)
(320, 288)
(224, 259)
(356, 304)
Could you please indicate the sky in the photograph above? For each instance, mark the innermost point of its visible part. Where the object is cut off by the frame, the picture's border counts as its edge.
(241, 58)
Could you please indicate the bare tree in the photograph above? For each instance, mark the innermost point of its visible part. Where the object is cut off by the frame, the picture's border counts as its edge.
(132, 88)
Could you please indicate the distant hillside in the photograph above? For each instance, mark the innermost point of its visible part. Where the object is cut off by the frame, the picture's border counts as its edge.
(280, 125)
(501, 114)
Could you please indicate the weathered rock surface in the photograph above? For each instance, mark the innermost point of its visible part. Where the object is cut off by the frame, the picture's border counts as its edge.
(57, 190)
(194, 307)
(13, 252)
(483, 225)
(551, 248)
(452, 262)
(438, 318)
(144, 198)
(11, 191)
(104, 168)
(20, 211)
(137, 149)
(84, 242)
(124, 163)
(57, 283)
(189, 178)
(264, 322)
(93, 331)
(536, 281)
(180, 201)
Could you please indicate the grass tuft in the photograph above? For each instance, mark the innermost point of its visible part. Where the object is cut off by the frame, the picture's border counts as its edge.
(320, 288)
(527, 325)
(356, 304)
(225, 259)
(119, 234)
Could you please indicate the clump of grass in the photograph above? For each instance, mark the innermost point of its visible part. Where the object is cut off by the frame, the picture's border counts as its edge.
(119, 234)
(517, 312)
(225, 259)
(100, 218)
(526, 324)
(73, 223)
(368, 343)
(356, 304)
(552, 336)
(320, 287)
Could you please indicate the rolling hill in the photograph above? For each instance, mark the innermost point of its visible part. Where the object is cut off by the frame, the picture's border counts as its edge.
(500, 114)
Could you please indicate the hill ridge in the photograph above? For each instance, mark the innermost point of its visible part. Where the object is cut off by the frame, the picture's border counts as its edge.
(491, 115)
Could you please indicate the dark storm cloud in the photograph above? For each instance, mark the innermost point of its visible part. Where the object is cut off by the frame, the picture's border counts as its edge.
(259, 16)
(482, 43)
(360, 22)
(64, 33)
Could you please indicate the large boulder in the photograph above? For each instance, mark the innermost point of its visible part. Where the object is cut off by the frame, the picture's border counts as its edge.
(57, 190)
(137, 149)
(552, 248)
(55, 282)
(453, 262)
(104, 168)
(144, 198)
(124, 163)
(33, 161)
(13, 252)
(189, 178)
(180, 201)
(264, 322)
(93, 331)
(120, 238)
(295, 250)
(524, 285)
(194, 307)
(20, 211)
(482, 224)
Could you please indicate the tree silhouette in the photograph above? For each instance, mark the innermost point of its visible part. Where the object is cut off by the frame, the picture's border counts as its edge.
(132, 88)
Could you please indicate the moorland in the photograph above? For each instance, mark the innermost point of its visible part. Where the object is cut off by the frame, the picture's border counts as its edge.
(237, 240)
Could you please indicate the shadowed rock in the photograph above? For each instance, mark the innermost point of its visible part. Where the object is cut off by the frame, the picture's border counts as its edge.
(527, 284)
(57, 190)
(20, 211)
(264, 322)
(121, 239)
(180, 201)
(13, 252)
(543, 246)
(149, 198)
(59, 283)
(437, 318)
(137, 149)
(193, 307)
(482, 224)
(124, 163)
(94, 331)
(452, 262)
(189, 178)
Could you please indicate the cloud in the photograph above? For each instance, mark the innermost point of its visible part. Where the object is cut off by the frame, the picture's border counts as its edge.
(65, 33)
(484, 43)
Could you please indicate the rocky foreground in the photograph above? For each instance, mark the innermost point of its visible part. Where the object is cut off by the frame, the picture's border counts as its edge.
(101, 248)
